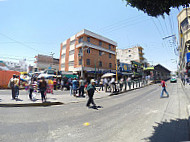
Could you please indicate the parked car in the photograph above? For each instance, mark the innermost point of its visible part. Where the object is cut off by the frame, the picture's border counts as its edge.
(47, 73)
(173, 80)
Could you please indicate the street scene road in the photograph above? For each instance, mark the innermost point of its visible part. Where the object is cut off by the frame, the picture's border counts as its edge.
(138, 115)
(94, 71)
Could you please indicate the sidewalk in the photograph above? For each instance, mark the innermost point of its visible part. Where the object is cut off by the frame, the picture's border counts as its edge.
(59, 97)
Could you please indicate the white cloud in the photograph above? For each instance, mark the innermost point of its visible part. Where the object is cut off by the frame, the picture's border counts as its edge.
(3, 0)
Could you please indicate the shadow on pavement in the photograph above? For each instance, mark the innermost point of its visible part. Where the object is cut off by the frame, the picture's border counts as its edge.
(17, 99)
(173, 131)
(96, 107)
(44, 104)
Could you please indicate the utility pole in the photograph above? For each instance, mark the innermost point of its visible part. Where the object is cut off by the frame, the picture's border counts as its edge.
(52, 58)
(175, 41)
(82, 75)
(116, 66)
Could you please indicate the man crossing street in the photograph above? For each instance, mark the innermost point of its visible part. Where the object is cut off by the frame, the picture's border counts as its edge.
(91, 89)
(163, 84)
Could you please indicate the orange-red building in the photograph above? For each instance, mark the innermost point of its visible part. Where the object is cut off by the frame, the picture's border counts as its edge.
(98, 53)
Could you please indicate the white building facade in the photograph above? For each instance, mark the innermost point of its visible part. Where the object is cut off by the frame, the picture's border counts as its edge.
(20, 66)
(131, 54)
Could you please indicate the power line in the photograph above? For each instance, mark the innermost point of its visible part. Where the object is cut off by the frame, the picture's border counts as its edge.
(119, 22)
(118, 28)
(27, 42)
(157, 28)
(166, 26)
(19, 42)
(14, 58)
(108, 28)
(161, 26)
(171, 28)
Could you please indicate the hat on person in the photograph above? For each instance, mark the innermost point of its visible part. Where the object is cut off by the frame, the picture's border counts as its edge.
(92, 80)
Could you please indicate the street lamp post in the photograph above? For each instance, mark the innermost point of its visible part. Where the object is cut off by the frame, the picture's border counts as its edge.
(81, 55)
(82, 75)
(51, 65)
(116, 67)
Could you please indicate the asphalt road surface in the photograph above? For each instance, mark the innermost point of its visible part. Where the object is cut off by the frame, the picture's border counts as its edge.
(134, 116)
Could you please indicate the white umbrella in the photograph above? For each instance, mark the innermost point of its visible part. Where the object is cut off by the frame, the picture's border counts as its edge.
(108, 75)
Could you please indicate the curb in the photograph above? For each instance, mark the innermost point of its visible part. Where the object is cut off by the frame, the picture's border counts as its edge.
(31, 104)
(188, 111)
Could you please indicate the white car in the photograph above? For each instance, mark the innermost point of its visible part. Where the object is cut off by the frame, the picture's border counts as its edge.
(47, 74)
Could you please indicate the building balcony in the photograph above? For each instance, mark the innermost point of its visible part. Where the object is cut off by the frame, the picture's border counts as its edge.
(94, 47)
(142, 58)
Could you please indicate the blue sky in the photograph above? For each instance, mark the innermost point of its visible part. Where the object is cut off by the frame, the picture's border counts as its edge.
(31, 27)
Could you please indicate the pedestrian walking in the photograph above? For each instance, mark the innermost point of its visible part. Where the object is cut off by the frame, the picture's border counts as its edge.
(43, 87)
(31, 88)
(163, 84)
(16, 86)
(129, 82)
(112, 84)
(101, 85)
(105, 84)
(62, 84)
(74, 87)
(81, 87)
(11, 85)
(70, 82)
(121, 82)
(55, 84)
(90, 91)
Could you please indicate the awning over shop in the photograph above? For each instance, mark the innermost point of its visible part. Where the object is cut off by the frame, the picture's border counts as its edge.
(70, 76)
(149, 68)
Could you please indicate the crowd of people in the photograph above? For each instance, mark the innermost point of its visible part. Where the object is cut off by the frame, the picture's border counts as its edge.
(78, 87)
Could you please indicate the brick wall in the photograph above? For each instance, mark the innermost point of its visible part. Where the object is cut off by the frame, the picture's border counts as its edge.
(67, 55)
(60, 57)
(95, 58)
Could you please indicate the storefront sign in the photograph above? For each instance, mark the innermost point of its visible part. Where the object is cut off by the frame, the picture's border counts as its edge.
(188, 57)
(125, 67)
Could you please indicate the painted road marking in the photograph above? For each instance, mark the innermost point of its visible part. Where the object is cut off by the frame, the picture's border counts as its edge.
(86, 124)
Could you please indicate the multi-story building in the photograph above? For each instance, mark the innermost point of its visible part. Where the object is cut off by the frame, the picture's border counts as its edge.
(131, 54)
(88, 51)
(20, 66)
(184, 37)
(44, 62)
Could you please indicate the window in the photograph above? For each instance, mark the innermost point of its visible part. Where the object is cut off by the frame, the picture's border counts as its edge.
(110, 65)
(71, 63)
(100, 63)
(88, 61)
(129, 55)
(100, 43)
(80, 39)
(100, 53)
(88, 50)
(185, 24)
(88, 39)
(62, 65)
(109, 55)
(71, 52)
(64, 46)
(80, 61)
(51, 72)
(80, 50)
(109, 46)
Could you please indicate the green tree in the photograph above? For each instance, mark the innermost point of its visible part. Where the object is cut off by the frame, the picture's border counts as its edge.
(157, 7)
